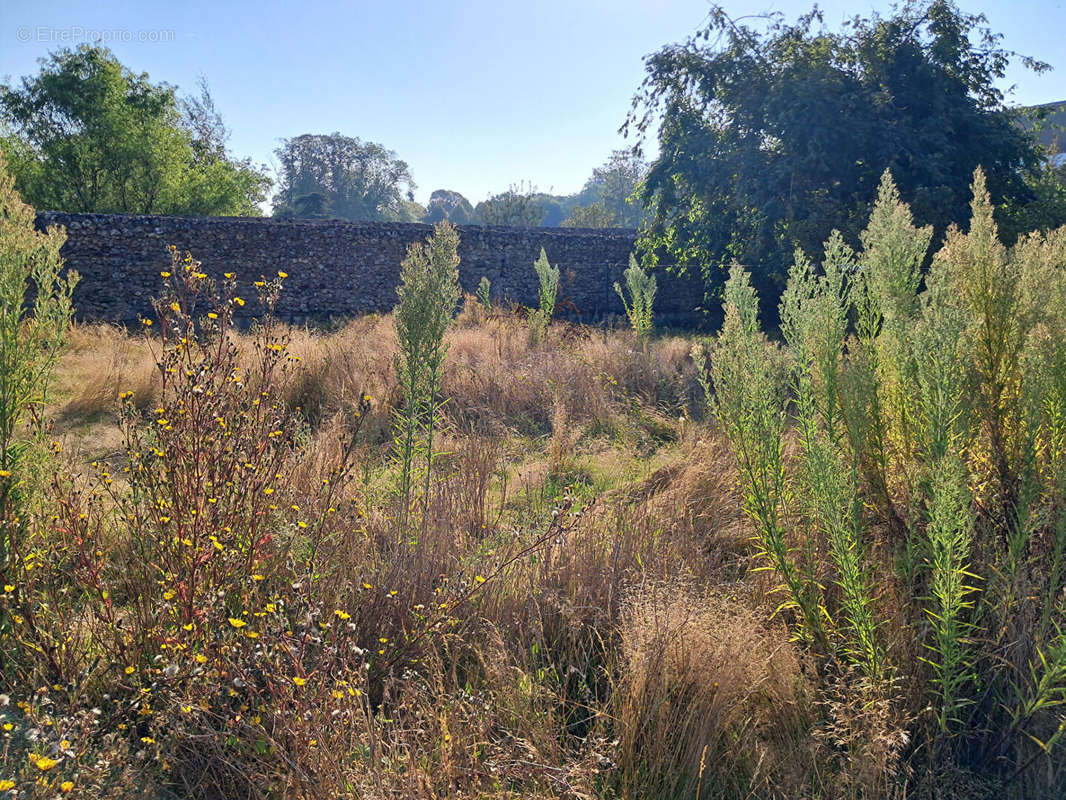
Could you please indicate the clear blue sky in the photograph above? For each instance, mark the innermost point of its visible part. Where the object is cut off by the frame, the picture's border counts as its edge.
(473, 94)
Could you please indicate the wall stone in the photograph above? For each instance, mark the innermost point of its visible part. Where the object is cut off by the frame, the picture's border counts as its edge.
(342, 269)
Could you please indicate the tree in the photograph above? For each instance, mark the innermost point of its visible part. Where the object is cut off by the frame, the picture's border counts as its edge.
(444, 204)
(359, 180)
(595, 215)
(612, 187)
(518, 206)
(86, 134)
(771, 136)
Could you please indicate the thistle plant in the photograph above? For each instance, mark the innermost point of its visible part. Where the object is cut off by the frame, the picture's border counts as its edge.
(547, 292)
(641, 286)
(428, 295)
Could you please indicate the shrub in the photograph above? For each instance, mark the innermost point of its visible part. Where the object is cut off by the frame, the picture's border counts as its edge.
(547, 291)
(31, 335)
(429, 293)
(641, 288)
(930, 447)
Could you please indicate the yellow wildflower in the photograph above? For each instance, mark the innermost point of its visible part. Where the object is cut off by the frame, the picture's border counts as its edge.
(237, 623)
(299, 681)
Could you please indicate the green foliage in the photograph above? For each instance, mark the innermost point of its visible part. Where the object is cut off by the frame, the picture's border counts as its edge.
(88, 135)
(547, 292)
(935, 433)
(747, 395)
(428, 295)
(445, 204)
(641, 286)
(341, 177)
(772, 135)
(31, 335)
(607, 199)
(596, 215)
(484, 292)
(518, 207)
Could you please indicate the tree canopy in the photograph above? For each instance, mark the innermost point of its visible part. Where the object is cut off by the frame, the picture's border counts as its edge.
(520, 206)
(607, 200)
(86, 134)
(771, 135)
(356, 180)
(445, 204)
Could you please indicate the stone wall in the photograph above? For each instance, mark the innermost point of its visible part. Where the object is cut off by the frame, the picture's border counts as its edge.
(341, 269)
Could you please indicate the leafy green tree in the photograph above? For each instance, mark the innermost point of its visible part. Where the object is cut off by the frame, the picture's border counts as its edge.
(596, 215)
(612, 187)
(359, 180)
(519, 207)
(771, 135)
(86, 134)
(444, 204)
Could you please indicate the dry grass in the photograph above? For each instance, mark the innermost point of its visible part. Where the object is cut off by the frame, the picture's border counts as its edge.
(101, 362)
(573, 616)
(712, 701)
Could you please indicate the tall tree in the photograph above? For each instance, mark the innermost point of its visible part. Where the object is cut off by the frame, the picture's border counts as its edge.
(444, 204)
(520, 206)
(771, 135)
(359, 180)
(86, 134)
(608, 195)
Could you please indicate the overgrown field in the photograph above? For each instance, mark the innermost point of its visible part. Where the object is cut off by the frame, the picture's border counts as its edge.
(499, 556)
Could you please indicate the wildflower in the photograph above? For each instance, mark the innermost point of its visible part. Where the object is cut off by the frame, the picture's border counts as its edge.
(342, 614)
(148, 740)
(201, 658)
(6, 784)
(130, 670)
(175, 308)
(479, 579)
(237, 623)
(165, 274)
(43, 763)
(282, 274)
(238, 301)
(8, 588)
(8, 726)
(66, 786)
(257, 577)
(299, 681)
(5, 473)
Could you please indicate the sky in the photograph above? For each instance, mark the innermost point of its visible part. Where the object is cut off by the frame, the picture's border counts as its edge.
(474, 95)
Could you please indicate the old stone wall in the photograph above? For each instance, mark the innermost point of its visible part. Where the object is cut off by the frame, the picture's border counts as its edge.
(341, 269)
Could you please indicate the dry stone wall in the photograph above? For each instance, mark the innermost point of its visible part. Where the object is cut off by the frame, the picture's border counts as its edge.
(342, 269)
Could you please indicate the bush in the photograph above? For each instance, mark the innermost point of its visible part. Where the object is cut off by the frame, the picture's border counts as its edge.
(918, 531)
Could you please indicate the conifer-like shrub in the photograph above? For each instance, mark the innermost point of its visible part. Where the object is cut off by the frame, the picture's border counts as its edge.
(641, 286)
(917, 528)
